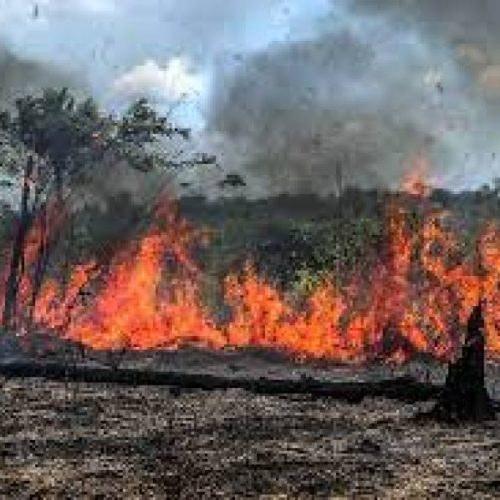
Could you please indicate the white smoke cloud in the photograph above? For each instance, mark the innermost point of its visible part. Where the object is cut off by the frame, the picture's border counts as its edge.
(172, 82)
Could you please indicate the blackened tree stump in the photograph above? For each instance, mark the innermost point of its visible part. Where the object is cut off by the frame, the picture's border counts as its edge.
(464, 397)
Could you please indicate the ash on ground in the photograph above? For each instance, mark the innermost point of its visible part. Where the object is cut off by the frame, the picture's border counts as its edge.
(80, 440)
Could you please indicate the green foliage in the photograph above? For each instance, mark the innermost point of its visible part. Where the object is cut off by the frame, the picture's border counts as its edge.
(337, 249)
(302, 254)
(58, 131)
(54, 125)
(70, 136)
(141, 124)
(307, 281)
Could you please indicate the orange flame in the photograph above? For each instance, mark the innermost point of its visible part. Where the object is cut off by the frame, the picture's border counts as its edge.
(415, 299)
(415, 181)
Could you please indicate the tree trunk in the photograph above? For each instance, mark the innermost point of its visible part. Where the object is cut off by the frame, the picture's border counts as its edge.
(465, 397)
(17, 256)
(405, 389)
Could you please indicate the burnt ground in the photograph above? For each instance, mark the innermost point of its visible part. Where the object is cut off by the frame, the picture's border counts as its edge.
(71, 440)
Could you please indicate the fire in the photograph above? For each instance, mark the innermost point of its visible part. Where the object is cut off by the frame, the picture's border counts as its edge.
(416, 181)
(135, 306)
(415, 299)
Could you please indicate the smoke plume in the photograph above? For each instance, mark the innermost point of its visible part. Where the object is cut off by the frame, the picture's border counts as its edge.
(19, 76)
(380, 83)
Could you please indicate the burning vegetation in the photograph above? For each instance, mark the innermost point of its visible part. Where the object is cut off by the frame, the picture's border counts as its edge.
(415, 298)
(148, 290)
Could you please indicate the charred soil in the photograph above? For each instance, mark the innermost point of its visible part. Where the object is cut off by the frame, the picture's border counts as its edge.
(60, 440)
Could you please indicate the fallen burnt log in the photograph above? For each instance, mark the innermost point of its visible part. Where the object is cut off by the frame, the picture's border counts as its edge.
(406, 388)
(465, 397)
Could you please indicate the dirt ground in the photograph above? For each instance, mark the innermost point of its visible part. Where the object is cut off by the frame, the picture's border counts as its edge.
(94, 441)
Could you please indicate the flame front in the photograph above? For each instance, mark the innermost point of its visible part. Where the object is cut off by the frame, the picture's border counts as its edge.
(416, 298)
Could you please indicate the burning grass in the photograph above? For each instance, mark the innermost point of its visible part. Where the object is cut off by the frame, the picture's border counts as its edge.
(414, 299)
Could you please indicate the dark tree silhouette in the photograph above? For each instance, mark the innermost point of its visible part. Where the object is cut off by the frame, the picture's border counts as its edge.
(465, 397)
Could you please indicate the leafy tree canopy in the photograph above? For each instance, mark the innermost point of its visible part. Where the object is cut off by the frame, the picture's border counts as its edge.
(68, 135)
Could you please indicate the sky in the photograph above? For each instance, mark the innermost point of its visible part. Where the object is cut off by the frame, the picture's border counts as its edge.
(286, 90)
(163, 48)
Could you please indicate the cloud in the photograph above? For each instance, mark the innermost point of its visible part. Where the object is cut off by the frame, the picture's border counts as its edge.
(172, 82)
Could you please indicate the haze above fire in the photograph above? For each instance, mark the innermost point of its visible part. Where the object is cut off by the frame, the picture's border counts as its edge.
(284, 90)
